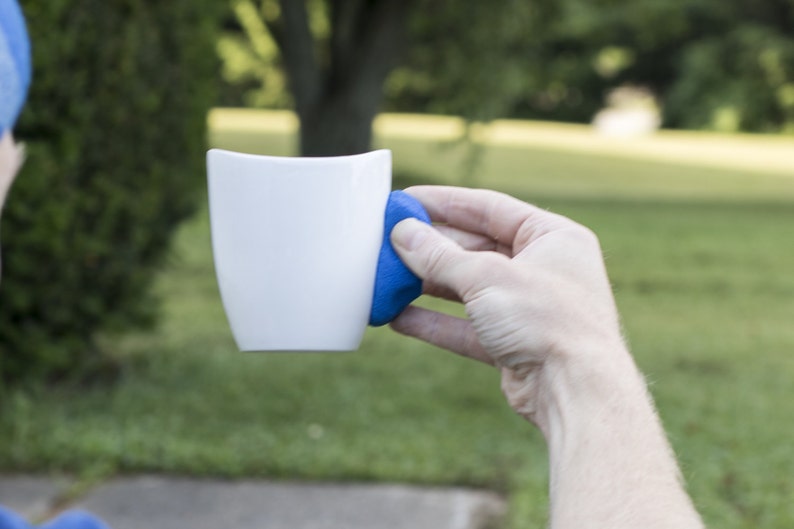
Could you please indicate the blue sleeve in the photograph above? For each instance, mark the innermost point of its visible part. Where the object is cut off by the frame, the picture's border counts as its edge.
(11, 520)
(74, 519)
(15, 67)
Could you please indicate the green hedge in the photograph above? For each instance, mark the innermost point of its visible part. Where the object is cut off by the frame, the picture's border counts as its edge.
(115, 126)
(740, 80)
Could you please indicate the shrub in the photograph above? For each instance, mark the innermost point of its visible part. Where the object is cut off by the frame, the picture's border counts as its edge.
(115, 127)
(739, 80)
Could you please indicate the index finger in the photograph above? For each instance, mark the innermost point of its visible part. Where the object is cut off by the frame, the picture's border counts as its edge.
(500, 217)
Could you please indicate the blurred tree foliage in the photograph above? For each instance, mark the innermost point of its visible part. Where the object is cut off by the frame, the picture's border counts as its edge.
(472, 59)
(717, 64)
(740, 80)
(115, 128)
(335, 56)
(251, 63)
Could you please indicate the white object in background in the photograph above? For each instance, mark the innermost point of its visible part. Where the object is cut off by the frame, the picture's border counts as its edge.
(296, 244)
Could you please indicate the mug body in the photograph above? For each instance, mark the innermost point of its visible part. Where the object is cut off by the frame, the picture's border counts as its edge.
(295, 243)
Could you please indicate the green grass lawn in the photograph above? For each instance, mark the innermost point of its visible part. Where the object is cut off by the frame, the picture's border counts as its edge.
(701, 260)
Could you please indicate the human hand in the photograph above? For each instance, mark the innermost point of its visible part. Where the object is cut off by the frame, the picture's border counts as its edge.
(541, 309)
(533, 284)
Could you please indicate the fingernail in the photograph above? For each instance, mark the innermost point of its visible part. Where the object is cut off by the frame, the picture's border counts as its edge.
(409, 233)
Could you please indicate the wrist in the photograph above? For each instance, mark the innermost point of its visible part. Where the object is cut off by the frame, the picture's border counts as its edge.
(596, 381)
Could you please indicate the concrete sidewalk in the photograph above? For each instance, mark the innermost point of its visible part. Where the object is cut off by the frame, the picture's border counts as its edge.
(155, 502)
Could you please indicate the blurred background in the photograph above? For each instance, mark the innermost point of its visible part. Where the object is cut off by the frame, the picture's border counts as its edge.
(665, 125)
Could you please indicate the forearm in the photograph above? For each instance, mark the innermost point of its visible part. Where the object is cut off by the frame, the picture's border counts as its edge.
(611, 465)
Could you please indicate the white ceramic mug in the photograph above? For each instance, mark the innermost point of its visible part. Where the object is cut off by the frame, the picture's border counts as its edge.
(296, 243)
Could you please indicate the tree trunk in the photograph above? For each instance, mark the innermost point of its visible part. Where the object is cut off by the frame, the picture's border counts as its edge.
(336, 127)
(337, 98)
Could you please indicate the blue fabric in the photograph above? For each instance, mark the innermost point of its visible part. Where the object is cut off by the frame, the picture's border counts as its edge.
(74, 519)
(395, 285)
(15, 68)
(10, 520)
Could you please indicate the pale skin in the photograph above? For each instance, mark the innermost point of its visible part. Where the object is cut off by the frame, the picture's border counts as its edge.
(11, 158)
(540, 309)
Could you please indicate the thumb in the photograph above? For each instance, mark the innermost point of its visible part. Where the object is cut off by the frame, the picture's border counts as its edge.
(434, 257)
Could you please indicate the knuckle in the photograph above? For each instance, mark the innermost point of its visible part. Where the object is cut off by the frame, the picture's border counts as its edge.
(585, 235)
(486, 270)
(579, 235)
(437, 258)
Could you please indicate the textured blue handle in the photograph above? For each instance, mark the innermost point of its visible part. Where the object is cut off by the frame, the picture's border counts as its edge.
(15, 69)
(395, 285)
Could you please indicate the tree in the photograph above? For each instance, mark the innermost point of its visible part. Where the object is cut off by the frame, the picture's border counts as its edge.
(469, 58)
(115, 128)
(336, 75)
(338, 54)
(715, 64)
(724, 64)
